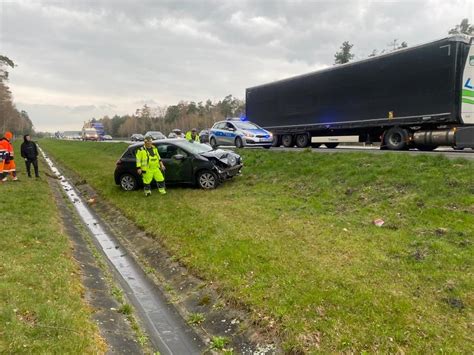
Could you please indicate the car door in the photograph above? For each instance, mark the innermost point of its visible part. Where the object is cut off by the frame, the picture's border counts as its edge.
(229, 136)
(176, 170)
(218, 132)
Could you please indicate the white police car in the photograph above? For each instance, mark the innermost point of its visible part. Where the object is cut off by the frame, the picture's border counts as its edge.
(239, 133)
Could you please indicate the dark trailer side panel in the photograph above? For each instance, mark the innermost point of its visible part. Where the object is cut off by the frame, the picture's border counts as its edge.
(414, 83)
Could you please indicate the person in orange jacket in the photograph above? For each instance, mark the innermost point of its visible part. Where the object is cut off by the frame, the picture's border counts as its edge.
(3, 156)
(6, 148)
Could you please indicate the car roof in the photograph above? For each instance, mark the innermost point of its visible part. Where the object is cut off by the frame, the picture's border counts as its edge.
(167, 140)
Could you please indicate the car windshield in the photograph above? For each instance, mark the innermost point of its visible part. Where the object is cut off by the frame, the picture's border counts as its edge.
(246, 125)
(194, 148)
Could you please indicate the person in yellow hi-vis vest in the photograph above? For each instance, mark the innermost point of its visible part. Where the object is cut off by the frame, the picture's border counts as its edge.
(150, 166)
(192, 136)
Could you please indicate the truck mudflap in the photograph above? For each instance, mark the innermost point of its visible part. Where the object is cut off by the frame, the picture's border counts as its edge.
(464, 137)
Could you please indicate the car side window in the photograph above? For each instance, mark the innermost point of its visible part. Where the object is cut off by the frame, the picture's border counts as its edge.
(230, 127)
(131, 153)
(182, 152)
(220, 125)
(167, 151)
(163, 151)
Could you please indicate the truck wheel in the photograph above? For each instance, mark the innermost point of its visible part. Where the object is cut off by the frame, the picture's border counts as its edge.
(239, 143)
(302, 140)
(315, 145)
(287, 140)
(276, 141)
(331, 145)
(396, 138)
(128, 182)
(213, 143)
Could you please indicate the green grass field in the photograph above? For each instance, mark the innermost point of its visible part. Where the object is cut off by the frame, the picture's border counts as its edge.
(41, 310)
(293, 240)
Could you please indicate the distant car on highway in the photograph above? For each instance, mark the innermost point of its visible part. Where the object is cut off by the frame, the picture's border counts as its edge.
(137, 137)
(185, 162)
(240, 134)
(90, 134)
(155, 135)
(204, 136)
(176, 133)
(106, 137)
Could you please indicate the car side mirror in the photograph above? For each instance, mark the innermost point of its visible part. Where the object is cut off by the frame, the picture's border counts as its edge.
(178, 157)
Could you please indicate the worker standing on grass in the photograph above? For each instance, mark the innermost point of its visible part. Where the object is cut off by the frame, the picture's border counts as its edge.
(9, 166)
(29, 152)
(150, 166)
(192, 136)
(3, 155)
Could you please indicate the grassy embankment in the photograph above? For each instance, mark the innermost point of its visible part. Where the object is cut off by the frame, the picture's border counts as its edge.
(41, 310)
(293, 239)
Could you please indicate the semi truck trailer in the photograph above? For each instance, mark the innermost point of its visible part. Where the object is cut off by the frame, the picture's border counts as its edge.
(418, 97)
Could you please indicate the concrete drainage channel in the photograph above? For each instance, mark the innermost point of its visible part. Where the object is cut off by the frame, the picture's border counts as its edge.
(168, 332)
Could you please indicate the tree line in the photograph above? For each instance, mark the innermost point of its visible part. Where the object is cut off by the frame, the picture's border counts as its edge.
(185, 116)
(11, 119)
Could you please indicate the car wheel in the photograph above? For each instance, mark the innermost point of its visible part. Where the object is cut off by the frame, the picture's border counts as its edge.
(213, 143)
(128, 182)
(331, 145)
(276, 140)
(396, 138)
(239, 143)
(302, 140)
(287, 140)
(207, 180)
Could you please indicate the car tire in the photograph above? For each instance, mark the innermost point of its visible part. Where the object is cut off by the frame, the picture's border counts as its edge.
(287, 140)
(213, 143)
(239, 143)
(331, 145)
(128, 182)
(207, 180)
(302, 140)
(276, 140)
(396, 138)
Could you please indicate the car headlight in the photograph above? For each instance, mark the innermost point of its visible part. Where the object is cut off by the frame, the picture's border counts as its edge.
(270, 134)
(232, 160)
(249, 135)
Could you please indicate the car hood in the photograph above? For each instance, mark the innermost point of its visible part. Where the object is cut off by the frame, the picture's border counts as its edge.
(225, 156)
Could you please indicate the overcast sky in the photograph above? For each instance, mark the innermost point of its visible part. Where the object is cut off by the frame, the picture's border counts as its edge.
(82, 59)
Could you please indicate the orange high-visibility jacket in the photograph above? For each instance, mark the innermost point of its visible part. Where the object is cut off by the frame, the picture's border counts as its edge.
(6, 150)
(3, 153)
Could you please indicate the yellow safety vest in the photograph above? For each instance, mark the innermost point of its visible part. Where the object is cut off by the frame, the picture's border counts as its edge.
(146, 161)
(189, 137)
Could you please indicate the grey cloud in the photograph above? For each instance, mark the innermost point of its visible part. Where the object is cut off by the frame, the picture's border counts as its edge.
(166, 51)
